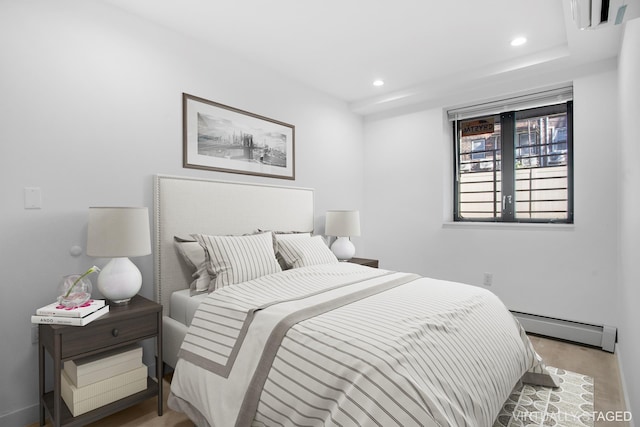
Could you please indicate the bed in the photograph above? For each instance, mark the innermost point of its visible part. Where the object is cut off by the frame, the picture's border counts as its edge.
(281, 333)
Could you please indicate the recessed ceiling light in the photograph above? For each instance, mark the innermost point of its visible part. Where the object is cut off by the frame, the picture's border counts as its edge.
(518, 41)
(378, 82)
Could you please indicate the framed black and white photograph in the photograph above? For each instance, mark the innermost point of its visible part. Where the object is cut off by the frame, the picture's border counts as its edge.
(222, 138)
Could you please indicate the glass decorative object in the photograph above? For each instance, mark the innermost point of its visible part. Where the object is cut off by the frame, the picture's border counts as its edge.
(74, 290)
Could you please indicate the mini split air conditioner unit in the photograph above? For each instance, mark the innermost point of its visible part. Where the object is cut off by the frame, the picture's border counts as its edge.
(594, 14)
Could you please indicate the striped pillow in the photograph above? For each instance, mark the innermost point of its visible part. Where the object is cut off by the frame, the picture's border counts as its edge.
(280, 236)
(236, 259)
(298, 253)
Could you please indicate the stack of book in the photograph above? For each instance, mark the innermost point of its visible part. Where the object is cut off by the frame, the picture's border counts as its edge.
(55, 314)
(95, 381)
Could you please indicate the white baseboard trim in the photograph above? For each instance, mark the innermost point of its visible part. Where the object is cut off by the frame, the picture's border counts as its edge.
(21, 417)
(602, 336)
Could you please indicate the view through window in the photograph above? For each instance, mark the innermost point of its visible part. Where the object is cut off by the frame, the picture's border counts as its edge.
(515, 166)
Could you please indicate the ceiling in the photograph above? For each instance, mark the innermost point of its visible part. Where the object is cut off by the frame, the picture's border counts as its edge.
(417, 47)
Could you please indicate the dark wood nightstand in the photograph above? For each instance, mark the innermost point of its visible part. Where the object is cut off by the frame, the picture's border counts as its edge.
(139, 320)
(365, 261)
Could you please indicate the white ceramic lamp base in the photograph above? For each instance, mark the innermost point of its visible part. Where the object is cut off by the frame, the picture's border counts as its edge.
(343, 249)
(119, 281)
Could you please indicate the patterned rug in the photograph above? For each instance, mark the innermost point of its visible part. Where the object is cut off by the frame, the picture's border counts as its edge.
(570, 405)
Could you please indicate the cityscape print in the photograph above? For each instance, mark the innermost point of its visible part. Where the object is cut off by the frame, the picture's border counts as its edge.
(224, 138)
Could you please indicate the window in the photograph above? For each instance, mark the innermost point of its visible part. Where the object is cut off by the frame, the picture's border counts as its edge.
(477, 149)
(514, 166)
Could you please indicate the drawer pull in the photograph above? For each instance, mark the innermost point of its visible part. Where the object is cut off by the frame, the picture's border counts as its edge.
(115, 332)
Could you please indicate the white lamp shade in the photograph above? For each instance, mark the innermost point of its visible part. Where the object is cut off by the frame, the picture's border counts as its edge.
(342, 223)
(118, 232)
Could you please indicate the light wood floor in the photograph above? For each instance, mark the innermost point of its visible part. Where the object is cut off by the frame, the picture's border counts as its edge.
(600, 365)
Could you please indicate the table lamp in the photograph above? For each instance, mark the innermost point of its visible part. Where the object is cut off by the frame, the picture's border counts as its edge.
(118, 233)
(343, 225)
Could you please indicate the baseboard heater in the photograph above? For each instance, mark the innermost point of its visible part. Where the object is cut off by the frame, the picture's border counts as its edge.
(604, 336)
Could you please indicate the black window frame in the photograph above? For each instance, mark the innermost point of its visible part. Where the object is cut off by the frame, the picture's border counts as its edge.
(509, 145)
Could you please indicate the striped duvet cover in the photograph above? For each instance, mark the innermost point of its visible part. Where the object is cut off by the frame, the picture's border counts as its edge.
(346, 345)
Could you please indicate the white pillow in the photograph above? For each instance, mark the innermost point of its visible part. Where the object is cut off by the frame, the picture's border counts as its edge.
(193, 254)
(236, 259)
(297, 252)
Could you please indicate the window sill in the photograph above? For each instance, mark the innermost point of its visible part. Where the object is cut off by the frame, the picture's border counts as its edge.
(507, 226)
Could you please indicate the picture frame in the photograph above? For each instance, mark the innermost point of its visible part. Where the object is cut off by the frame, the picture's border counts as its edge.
(218, 137)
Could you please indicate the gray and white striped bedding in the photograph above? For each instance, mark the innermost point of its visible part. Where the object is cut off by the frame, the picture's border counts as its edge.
(345, 345)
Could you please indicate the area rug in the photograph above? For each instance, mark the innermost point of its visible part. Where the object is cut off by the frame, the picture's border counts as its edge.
(569, 405)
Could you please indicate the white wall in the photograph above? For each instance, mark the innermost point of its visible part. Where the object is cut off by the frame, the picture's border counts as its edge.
(90, 111)
(629, 72)
(564, 272)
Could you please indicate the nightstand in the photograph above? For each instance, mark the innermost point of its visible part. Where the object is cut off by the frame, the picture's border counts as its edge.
(139, 320)
(365, 261)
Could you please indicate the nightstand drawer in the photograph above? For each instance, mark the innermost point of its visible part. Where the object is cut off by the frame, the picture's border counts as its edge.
(100, 334)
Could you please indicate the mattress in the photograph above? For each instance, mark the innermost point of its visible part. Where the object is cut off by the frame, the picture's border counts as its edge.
(184, 306)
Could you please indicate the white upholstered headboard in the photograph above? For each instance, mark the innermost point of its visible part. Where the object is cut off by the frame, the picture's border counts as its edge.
(184, 205)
